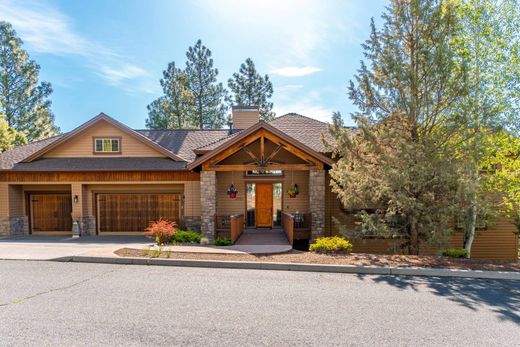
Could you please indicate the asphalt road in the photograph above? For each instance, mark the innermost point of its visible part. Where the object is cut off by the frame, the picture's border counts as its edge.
(72, 304)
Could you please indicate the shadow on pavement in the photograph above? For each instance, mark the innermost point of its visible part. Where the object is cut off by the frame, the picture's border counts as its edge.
(503, 297)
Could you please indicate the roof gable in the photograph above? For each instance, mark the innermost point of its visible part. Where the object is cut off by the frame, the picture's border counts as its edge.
(248, 136)
(96, 121)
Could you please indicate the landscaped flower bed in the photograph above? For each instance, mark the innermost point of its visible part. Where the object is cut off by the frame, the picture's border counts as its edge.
(350, 259)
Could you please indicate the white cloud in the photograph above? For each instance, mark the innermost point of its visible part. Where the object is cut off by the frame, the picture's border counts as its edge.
(293, 71)
(125, 72)
(304, 28)
(46, 30)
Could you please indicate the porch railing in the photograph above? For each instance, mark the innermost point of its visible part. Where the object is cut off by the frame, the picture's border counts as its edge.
(296, 226)
(288, 226)
(237, 226)
(229, 226)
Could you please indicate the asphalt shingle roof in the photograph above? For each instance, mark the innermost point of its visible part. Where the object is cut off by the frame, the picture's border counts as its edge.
(181, 142)
(304, 129)
(184, 141)
(17, 154)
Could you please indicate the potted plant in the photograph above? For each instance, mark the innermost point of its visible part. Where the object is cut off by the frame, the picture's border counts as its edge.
(232, 192)
(293, 191)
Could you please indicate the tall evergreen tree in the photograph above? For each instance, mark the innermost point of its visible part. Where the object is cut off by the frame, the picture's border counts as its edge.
(25, 103)
(175, 109)
(208, 94)
(249, 88)
(401, 163)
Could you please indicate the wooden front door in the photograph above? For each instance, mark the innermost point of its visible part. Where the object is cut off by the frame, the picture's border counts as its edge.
(51, 212)
(264, 205)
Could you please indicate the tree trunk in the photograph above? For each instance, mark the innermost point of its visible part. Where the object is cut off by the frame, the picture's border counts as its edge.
(414, 239)
(470, 223)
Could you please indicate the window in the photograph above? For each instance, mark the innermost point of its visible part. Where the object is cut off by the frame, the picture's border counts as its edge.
(107, 145)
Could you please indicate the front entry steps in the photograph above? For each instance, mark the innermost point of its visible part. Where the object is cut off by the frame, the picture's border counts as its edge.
(263, 241)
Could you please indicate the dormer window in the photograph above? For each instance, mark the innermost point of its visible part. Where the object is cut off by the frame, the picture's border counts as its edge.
(110, 145)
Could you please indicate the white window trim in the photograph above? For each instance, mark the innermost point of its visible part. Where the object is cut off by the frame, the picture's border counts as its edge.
(103, 139)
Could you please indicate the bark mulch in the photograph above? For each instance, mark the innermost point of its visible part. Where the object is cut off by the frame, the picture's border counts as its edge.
(350, 259)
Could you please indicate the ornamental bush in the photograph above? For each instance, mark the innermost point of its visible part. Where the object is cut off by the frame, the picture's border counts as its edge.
(455, 253)
(187, 236)
(161, 230)
(223, 242)
(331, 245)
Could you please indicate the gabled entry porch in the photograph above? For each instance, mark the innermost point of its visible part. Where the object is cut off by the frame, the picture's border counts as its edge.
(258, 176)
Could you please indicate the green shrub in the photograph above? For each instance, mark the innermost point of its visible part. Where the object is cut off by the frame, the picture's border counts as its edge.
(187, 236)
(223, 242)
(455, 253)
(331, 245)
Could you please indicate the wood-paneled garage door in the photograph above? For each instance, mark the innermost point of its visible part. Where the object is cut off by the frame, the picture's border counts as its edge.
(51, 213)
(125, 212)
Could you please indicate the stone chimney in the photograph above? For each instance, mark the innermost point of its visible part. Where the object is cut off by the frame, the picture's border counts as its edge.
(244, 116)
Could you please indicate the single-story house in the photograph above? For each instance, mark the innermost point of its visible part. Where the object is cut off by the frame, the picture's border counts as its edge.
(108, 179)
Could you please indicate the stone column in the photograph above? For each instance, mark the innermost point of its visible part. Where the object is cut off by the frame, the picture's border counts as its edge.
(317, 202)
(86, 223)
(13, 220)
(208, 202)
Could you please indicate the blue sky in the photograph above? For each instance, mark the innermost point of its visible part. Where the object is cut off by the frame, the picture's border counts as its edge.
(108, 55)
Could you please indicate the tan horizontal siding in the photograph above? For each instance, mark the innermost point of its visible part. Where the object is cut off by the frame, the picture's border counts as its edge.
(301, 202)
(497, 242)
(226, 205)
(16, 201)
(82, 145)
(192, 198)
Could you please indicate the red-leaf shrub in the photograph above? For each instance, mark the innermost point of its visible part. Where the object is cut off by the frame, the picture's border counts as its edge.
(162, 231)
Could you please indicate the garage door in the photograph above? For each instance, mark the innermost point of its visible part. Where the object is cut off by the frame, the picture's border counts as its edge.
(133, 212)
(51, 212)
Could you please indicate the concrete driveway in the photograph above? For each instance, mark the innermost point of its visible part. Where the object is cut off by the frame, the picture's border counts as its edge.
(55, 247)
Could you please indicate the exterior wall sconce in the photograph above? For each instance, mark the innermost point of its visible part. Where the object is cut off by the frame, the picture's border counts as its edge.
(76, 199)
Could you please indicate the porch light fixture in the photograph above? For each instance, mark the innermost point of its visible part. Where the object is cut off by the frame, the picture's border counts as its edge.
(76, 199)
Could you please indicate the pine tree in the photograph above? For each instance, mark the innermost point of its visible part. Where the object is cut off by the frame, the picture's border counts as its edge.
(399, 172)
(175, 109)
(209, 95)
(25, 103)
(9, 137)
(249, 88)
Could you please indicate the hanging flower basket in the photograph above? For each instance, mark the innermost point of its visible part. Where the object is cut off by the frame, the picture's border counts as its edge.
(232, 192)
(293, 192)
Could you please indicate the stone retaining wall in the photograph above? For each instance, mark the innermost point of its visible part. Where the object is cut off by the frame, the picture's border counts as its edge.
(14, 226)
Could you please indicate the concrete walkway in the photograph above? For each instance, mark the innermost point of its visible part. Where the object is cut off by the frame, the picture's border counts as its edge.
(54, 247)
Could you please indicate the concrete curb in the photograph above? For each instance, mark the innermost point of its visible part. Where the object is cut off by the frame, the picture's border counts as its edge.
(351, 269)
